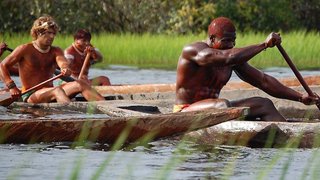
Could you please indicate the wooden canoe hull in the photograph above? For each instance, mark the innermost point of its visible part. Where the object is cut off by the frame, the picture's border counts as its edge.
(128, 129)
(159, 125)
(232, 85)
(260, 134)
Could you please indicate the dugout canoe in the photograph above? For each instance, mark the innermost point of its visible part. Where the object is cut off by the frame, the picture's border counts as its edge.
(148, 114)
(128, 128)
(232, 85)
(293, 109)
(301, 131)
(167, 91)
(258, 134)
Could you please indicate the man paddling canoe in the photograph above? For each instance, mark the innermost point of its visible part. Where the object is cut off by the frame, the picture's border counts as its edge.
(76, 54)
(37, 62)
(205, 67)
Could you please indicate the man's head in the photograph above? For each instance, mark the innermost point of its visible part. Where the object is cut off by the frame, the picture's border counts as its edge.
(222, 33)
(42, 25)
(82, 34)
(82, 38)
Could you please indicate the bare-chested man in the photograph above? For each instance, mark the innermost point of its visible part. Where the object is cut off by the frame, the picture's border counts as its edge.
(76, 54)
(37, 62)
(205, 67)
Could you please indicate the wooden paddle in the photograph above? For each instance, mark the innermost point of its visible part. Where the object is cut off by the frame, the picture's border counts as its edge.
(85, 65)
(6, 98)
(297, 73)
(9, 49)
(64, 78)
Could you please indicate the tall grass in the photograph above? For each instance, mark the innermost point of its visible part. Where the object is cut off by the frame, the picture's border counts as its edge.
(163, 51)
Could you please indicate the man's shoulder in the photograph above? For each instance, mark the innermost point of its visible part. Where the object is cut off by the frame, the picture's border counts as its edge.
(69, 50)
(203, 43)
(24, 48)
(56, 49)
(26, 45)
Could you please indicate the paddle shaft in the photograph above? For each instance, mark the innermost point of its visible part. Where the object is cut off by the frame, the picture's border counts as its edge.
(9, 49)
(43, 83)
(64, 78)
(6, 98)
(297, 73)
(85, 65)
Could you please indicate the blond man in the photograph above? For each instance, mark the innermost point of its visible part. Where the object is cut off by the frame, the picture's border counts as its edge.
(37, 62)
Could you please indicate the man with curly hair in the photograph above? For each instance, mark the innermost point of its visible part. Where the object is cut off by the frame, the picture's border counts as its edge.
(37, 62)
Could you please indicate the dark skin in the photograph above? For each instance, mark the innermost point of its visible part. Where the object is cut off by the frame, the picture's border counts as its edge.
(205, 67)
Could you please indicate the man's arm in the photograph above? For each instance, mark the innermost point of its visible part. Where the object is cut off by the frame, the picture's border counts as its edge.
(5, 66)
(9, 62)
(266, 83)
(62, 62)
(228, 57)
(202, 54)
(96, 56)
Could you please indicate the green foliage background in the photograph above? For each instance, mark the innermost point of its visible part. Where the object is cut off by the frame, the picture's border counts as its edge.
(166, 16)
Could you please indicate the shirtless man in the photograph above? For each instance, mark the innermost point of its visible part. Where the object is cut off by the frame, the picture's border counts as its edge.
(37, 62)
(76, 55)
(205, 67)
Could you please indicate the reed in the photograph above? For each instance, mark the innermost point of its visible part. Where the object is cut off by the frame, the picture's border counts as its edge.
(163, 51)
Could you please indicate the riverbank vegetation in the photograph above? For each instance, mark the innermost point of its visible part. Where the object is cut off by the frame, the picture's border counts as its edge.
(161, 17)
(162, 51)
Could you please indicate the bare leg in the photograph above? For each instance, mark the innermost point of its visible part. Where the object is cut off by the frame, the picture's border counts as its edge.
(73, 88)
(261, 108)
(48, 95)
(101, 81)
(208, 103)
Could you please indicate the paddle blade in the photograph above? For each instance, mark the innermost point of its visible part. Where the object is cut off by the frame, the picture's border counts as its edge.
(6, 99)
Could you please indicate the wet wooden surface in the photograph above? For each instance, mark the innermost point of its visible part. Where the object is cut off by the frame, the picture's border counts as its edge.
(108, 130)
(260, 134)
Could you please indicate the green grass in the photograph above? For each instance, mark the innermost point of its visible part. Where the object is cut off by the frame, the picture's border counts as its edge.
(163, 51)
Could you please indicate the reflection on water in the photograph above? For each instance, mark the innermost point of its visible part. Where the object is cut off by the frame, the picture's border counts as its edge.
(167, 159)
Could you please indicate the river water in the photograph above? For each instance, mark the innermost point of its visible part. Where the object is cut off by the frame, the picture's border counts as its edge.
(162, 159)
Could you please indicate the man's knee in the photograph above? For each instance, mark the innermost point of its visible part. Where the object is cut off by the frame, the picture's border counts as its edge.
(58, 91)
(81, 85)
(264, 101)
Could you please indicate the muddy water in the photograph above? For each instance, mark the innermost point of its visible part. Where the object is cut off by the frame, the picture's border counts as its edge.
(163, 159)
